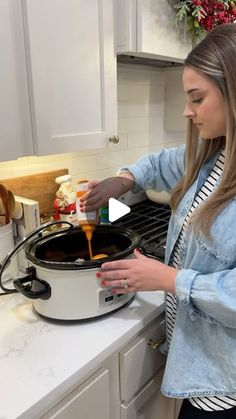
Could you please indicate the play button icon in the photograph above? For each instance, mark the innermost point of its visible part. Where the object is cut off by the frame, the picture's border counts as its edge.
(117, 209)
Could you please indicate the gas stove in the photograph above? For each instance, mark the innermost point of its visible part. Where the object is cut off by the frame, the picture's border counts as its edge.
(150, 220)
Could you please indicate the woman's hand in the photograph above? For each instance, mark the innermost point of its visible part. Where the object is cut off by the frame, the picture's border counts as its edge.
(139, 274)
(100, 191)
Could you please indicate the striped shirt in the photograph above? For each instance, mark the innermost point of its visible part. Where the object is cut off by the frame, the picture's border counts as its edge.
(204, 403)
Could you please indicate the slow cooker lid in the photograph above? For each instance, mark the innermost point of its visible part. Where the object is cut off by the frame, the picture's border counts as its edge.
(68, 249)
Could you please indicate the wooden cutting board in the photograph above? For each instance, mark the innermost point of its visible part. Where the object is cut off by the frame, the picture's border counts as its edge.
(41, 187)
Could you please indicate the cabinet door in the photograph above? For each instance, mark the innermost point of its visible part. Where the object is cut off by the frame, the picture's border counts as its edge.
(139, 362)
(89, 400)
(72, 73)
(146, 28)
(15, 127)
(149, 403)
(174, 102)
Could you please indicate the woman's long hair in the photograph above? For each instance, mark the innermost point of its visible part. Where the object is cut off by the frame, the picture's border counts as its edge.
(215, 58)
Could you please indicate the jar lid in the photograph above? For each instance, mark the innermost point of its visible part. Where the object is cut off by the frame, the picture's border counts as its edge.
(61, 179)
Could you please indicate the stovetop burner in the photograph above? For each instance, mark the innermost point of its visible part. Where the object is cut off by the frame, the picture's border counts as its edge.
(150, 220)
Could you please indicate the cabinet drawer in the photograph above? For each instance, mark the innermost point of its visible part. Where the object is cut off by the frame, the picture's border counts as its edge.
(149, 403)
(139, 361)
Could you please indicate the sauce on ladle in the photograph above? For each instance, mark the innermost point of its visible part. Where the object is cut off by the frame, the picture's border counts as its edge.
(88, 226)
(88, 229)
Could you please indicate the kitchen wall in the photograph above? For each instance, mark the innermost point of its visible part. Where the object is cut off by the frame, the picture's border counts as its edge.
(141, 103)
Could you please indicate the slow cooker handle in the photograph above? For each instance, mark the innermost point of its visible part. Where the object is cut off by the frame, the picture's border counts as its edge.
(141, 248)
(20, 244)
(44, 291)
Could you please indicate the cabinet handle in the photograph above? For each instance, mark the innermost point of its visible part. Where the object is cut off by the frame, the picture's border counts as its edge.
(155, 345)
(115, 139)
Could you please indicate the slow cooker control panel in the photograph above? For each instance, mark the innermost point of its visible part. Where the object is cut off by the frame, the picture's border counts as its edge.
(106, 298)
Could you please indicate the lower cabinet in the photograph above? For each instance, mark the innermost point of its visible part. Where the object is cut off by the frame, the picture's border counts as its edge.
(141, 359)
(125, 386)
(149, 403)
(89, 400)
(141, 371)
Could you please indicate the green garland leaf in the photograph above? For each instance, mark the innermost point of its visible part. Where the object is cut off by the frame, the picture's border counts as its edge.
(196, 17)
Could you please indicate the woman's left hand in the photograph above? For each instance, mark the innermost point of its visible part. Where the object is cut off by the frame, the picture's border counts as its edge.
(139, 274)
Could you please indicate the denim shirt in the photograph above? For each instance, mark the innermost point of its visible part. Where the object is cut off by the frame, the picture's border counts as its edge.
(201, 359)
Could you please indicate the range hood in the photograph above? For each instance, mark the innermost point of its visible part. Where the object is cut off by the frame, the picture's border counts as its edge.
(131, 59)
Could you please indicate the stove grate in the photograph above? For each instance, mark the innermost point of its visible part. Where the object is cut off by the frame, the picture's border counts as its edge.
(150, 220)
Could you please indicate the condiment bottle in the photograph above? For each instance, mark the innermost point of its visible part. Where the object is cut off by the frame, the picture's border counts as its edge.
(104, 215)
(64, 203)
(88, 218)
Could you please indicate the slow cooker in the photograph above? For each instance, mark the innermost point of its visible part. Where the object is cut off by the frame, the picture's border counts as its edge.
(61, 279)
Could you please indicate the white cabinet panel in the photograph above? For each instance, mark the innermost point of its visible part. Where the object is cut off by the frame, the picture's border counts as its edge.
(149, 403)
(72, 73)
(139, 362)
(106, 394)
(15, 126)
(174, 102)
(90, 400)
(146, 28)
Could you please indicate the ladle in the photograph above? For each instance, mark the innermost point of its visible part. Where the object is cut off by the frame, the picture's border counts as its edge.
(11, 203)
(9, 208)
(4, 203)
(100, 256)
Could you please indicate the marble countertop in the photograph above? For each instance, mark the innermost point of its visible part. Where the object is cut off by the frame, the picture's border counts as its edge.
(40, 361)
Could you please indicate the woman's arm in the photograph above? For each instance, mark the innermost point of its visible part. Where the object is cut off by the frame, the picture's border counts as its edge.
(210, 296)
(160, 171)
(140, 274)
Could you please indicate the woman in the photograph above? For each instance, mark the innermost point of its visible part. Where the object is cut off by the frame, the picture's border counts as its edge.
(199, 274)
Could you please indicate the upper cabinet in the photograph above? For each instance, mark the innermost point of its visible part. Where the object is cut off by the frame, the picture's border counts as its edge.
(174, 101)
(57, 76)
(71, 66)
(15, 124)
(146, 28)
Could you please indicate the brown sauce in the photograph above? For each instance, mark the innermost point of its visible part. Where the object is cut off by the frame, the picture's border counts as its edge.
(88, 229)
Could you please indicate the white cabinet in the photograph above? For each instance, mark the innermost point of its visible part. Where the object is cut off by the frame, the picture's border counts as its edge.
(15, 125)
(140, 357)
(57, 76)
(174, 101)
(149, 403)
(125, 386)
(71, 68)
(96, 397)
(141, 371)
(146, 28)
(89, 400)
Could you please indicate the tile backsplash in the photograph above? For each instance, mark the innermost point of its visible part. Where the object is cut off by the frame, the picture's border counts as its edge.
(141, 105)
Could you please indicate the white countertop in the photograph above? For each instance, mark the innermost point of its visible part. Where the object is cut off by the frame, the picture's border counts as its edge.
(40, 361)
